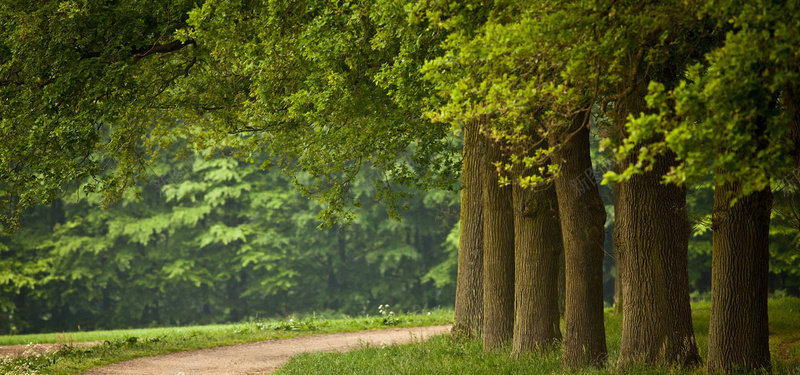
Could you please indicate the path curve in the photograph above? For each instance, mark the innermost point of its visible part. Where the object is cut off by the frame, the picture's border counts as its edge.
(263, 357)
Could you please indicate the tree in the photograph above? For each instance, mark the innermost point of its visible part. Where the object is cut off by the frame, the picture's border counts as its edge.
(498, 250)
(726, 115)
(612, 52)
(218, 240)
(327, 89)
(421, 29)
(651, 224)
(468, 314)
(503, 73)
(537, 249)
(331, 89)
(582, 223)
(131, 109)
(72, 75)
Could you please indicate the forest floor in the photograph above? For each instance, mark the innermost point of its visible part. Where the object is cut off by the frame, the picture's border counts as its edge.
(265, 356)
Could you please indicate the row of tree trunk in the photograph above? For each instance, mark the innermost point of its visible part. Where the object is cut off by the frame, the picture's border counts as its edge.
(525, 251)
(515, 241)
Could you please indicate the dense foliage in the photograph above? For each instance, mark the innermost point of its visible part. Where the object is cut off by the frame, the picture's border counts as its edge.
(694, 103)
(220, 240)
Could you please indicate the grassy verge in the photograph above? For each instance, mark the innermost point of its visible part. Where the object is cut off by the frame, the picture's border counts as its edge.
(443, 355)
(128, 344)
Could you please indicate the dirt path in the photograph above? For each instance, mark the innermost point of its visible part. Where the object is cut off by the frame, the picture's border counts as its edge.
(263, 357)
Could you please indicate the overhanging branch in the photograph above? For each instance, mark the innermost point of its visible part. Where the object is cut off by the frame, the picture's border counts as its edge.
(138, 54)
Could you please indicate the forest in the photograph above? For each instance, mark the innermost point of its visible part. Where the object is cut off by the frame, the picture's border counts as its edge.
(529, 163)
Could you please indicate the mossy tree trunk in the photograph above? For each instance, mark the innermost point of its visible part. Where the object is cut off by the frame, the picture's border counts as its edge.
(738, 331)
(582, 224)
(468, 317)
(498, 252)
(537, 247)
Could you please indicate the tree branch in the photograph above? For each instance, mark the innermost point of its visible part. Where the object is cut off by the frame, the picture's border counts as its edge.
(138, 54)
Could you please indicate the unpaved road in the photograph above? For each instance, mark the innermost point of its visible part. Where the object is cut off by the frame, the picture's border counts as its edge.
(264, 357)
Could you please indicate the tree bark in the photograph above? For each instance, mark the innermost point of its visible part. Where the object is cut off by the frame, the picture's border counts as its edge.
(738, 331)
(651, 236)
(652, 227)
(582, 224)
(562, 278)
(618, 298)
(468, 317)
(537, 247)
(498, 253)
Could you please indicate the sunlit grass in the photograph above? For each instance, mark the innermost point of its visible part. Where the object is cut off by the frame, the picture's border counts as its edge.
(83, 336)
(443, 355)
(122, 345)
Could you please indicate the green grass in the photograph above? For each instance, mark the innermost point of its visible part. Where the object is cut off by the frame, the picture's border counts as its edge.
(83, 336)
(122, 345)
(443, 355)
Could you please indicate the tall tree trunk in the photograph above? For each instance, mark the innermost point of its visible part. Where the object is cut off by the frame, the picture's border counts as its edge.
(498, 253)
(651, 234)
(57, 215)
(234, 299)
(156, 312)
(537, 247)
(618, 298)
(791, 102)
(468, 317)
(105, 308)
(206, 309)
(738, 330)
(562, 279)
(739, 327)
(582, 224)
(4, 323)
(682, 347)
(21, 313)
(653, 229)
(617, 285)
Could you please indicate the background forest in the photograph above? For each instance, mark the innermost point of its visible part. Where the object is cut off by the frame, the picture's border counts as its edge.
(387, 109)
(219, 240)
